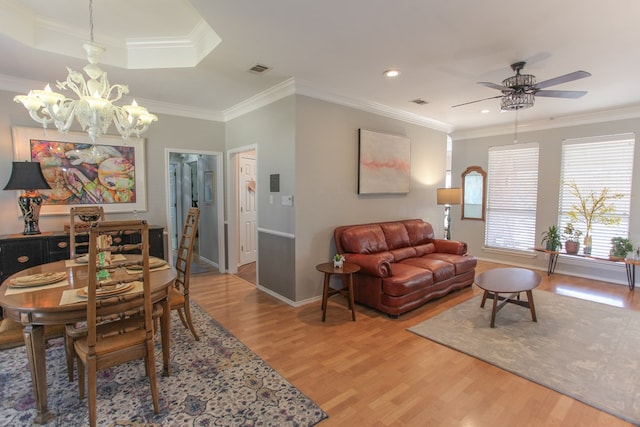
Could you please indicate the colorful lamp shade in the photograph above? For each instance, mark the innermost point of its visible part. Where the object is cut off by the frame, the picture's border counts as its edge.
(28, 178)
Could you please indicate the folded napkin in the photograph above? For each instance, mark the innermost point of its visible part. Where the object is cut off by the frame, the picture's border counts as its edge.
(73, 296)
(37, 279)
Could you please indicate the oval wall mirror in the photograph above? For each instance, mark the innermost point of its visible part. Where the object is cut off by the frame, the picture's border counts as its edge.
(474, 192)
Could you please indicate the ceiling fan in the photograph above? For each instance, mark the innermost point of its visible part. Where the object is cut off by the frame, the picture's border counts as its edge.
(519, 91)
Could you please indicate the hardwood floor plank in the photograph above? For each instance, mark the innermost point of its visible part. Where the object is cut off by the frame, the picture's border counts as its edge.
(374, 372)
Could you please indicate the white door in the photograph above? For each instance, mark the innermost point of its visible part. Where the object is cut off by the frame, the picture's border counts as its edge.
(248, 208)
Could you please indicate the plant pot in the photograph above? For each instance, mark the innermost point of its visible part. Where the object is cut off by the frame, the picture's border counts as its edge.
(571, 248)
(338, 264)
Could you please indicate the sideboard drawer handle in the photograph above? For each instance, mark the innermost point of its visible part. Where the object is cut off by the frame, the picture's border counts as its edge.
(63, 245)
(117, 240)
(22, 259)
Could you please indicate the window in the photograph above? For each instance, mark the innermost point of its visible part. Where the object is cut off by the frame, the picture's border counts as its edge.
(593, 164)
(512, 194)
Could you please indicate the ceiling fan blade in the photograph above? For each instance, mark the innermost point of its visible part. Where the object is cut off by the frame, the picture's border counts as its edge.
(563, 79)
(495, 86)
(572, 94)
(479, 100)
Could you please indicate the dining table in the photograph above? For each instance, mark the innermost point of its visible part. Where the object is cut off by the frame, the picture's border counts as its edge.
(61, 303)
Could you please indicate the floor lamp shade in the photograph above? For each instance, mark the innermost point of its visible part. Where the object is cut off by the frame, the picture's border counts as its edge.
(28, 178)
(448, 197)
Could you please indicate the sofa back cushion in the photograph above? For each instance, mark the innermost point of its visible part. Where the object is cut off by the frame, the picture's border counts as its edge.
(363, 239)
(419, 232)
(396, 235)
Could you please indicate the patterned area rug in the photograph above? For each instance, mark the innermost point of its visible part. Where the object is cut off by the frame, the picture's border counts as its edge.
(585, 350)
(217, 381)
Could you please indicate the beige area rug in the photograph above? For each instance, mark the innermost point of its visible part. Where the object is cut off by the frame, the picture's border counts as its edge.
(585, 350)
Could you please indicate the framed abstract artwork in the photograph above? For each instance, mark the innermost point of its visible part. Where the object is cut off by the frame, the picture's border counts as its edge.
(110, 173)
(384, 163)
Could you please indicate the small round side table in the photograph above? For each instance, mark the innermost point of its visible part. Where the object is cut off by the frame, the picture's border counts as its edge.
(346, 271)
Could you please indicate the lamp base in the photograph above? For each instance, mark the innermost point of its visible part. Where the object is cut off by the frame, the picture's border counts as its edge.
(30, 204)
(447, 222)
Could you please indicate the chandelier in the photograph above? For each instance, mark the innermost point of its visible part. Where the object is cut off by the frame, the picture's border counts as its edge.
(94, 108)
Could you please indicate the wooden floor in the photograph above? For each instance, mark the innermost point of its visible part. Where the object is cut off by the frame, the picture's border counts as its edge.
(373, 372)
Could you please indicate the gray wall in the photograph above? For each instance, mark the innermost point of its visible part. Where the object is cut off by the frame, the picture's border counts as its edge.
(472, 152)
(326, 181)
(169, 131)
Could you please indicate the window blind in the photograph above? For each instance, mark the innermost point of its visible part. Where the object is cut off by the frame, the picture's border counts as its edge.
(512, 194)
(595, 163)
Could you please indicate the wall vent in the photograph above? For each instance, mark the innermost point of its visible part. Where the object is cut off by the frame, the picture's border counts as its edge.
(419, 101)
(258, 68)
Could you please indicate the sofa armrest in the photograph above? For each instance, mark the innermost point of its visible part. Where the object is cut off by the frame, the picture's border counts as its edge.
(455, 247)
(372, 264)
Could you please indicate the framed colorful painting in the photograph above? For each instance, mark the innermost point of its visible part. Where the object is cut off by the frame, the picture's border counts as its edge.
(110, 173)
(384, 163)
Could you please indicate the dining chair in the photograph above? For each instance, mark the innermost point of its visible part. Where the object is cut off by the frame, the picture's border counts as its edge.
(119, 326)
(179, 293)
(80, 218)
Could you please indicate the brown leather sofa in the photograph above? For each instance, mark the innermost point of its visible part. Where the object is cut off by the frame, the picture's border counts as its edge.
(402, 265)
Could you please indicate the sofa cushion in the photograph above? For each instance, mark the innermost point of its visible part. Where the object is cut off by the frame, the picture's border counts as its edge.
(405, 279)
(364, 239)
(429, 248)
(441, 270)
(419, 232)
(396, 235)
(462, 263)
(403, 253)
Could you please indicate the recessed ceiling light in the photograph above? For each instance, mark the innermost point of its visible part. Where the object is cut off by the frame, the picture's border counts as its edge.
(485, 111)
(392, 73)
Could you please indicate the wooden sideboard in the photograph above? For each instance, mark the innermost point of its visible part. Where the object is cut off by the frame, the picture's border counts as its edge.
(18, 251)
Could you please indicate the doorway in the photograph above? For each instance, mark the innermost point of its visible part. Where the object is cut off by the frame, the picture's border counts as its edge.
(242, 190)
(194, 179)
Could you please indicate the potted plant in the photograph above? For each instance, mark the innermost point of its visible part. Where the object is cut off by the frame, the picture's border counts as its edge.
(592, 208)
(338, 260)
(551, 238)
(620, 247)
(571, 239)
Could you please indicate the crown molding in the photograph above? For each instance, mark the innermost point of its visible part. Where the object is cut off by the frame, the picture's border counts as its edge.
(266, 97)
(630, 112)
(304, 88)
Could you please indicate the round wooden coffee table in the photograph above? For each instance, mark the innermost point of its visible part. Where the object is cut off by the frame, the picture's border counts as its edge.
(508, 281)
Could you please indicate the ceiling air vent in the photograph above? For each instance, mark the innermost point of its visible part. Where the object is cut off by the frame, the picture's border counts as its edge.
(258, 68)
(419, 101)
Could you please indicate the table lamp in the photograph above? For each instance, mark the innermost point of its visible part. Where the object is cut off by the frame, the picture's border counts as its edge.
(448, 197)
(28, 178)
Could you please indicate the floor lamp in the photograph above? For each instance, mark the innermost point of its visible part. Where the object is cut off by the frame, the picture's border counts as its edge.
(28, 178)
(448, 197)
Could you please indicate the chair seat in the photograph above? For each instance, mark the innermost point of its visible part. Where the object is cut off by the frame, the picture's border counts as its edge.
(176, 299)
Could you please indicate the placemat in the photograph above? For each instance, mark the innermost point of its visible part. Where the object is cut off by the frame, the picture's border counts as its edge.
(14, 291)
(162, 267)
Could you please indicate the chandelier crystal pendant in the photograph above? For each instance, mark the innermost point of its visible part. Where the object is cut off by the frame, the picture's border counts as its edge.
(94, 108)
